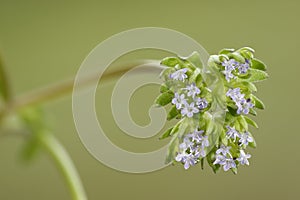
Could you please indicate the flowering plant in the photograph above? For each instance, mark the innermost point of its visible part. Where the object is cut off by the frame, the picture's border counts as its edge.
(212, 103)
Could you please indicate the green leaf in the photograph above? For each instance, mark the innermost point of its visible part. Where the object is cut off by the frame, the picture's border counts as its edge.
(210, 160)
(166, 134)
(164, 99)
(174, 144)
(250, 121)
(252, 144)
(172, 113)
(253, 112)
(171, 61)
(163, 88)
(257, 102)
(226, 51)
(246, 85)
(243, 122)
(237, 57)
(194, 76)
(194, 59)
(257, 64)
(247, 49)
(257, 75)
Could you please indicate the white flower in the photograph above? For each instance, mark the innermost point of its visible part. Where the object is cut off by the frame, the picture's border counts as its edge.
(220, 159)
(235, 94)
(179, 100)
(243, 159)
(224, 150)
(189, 110)
(179, 74)
(187, 159)
(228, 164)
(245, 138)
(228, 75)
(196, 136)
(186, 144)
(243, 67)
(232, 133)
(201, 102)
(244, 106)
(193, 90)
(230, 65)
(204, 142)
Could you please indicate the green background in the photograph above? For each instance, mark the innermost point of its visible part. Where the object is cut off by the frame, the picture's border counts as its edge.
(45, 41)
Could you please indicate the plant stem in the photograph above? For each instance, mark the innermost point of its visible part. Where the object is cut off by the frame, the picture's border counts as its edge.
(64, 164)
(54, 91)
(4, 85)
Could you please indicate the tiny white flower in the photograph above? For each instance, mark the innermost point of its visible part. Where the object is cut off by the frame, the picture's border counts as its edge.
(193, 90)
(201, 102)
(245, 138)
(187, 159)
(178, 100)
(224, 150)
(179, 75)
(186, 144)
(220, 159)
(243, 159)
(189, 110)
(196, 136)
(229, 163)
(244, 106)
(232, 133)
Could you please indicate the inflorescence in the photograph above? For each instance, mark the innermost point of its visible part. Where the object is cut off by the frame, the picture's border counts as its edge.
(196, 136)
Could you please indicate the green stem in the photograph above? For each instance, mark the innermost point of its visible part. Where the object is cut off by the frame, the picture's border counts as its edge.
(65, 165)
(54, 91)
(4, 85)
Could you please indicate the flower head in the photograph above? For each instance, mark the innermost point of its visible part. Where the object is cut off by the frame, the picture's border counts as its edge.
(232, 133)
(245, 138)
(188, 159)
(189, 110)
(244, 106)
(223, 150)
(179, 75)
(193, 90)
(179, 100)
(201, 103)
(243, 159)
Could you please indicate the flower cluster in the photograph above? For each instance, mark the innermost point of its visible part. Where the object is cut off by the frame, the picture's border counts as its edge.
(197, 136)
(188, 102)
(192, 148)
(238, 98)
(232, 67)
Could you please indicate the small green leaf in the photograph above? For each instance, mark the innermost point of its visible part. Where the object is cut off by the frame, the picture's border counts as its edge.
(174, 144)
(257, 102)
(170, 61)
(194, 76)
(226, 51)
(243, 122)
(194, 59)
(247, 49)
(252, 144)
(166, 134)
(257, 75)
(164, 99)
(257, 64)
(202, 163)
(237, 57)
(163, 88)
(253, 112)
(250, 121)
(172, 113)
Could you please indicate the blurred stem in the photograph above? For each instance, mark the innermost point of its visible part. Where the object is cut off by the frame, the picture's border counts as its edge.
(65, 165)
(54, 91)
(4, 85)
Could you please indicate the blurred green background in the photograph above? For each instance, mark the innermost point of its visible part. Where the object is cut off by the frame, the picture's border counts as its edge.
(45, 41)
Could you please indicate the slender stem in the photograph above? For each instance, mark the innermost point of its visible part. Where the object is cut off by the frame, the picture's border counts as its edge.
(54, 91)
(4, 83)
(64, 164)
